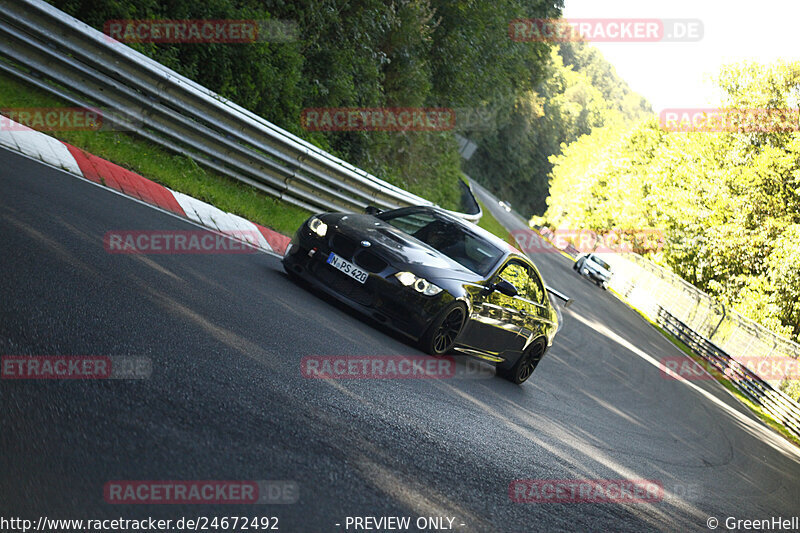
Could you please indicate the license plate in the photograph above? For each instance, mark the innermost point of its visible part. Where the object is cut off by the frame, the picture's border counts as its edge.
(343, 265)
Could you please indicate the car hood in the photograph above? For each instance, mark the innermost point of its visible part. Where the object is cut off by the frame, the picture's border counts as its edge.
(401, 249)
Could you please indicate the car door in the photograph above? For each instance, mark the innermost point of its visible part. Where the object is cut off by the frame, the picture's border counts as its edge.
(497, 319)
(532, 299)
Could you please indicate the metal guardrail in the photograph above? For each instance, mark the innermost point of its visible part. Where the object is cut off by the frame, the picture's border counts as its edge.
(775, 402)
(651, 288)
(44, 46)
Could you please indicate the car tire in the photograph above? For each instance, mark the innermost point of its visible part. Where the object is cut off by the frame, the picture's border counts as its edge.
(441, 335)
(525, 365)
(293, 277)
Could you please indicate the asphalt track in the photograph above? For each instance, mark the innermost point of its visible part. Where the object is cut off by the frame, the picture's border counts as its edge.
(226, 400)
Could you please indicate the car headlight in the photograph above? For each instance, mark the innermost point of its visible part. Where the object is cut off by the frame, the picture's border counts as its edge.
(421, 285)
(317, 226)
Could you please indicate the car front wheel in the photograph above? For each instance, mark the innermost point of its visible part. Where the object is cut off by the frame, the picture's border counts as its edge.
(442, 333)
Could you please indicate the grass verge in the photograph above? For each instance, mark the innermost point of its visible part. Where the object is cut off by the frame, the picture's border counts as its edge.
(490, 224)
(177, 172)
(765, 417)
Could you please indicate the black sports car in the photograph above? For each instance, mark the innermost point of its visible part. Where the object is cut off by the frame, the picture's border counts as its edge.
(445, 283)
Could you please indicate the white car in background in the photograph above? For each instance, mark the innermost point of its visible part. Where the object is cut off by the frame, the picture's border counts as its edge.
(594, 268)
(505, 205)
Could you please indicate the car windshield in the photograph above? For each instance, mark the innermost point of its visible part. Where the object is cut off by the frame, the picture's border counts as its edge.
(452, 239)
(601, 262)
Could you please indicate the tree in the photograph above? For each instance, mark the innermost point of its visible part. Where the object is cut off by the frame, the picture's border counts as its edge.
(728, 202)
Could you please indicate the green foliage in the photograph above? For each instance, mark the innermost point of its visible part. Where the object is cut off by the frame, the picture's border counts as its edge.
(577, 91)
(364, 53)
(415, 53)
(475, 61)
(728, 203)
(263, 77)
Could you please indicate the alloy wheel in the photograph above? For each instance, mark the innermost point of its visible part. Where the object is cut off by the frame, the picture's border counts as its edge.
(447, 331)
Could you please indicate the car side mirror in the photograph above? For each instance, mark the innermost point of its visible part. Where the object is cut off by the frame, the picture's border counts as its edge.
(372, 210)
(505, 287)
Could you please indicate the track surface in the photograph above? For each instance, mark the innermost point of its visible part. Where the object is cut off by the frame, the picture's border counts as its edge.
(226, 400)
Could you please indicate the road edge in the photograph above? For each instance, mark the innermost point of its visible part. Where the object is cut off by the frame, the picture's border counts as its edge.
(53, 152)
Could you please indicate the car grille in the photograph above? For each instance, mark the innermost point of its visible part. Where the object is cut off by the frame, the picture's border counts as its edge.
(343, 246)
(352, 251)
(344, 285)
(370, 262)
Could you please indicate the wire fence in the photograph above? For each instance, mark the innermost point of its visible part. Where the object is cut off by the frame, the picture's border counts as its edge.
(652, 288)
(775, 402)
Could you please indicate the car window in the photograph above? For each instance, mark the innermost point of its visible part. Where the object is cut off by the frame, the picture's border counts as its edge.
(536, 288)
(527, 282)
(410, 223)
(453, 240)
(600, 262)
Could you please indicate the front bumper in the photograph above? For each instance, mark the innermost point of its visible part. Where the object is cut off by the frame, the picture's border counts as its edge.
(381, 297)
(594, 275)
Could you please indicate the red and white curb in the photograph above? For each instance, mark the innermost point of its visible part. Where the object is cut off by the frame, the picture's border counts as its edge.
(37, 145)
